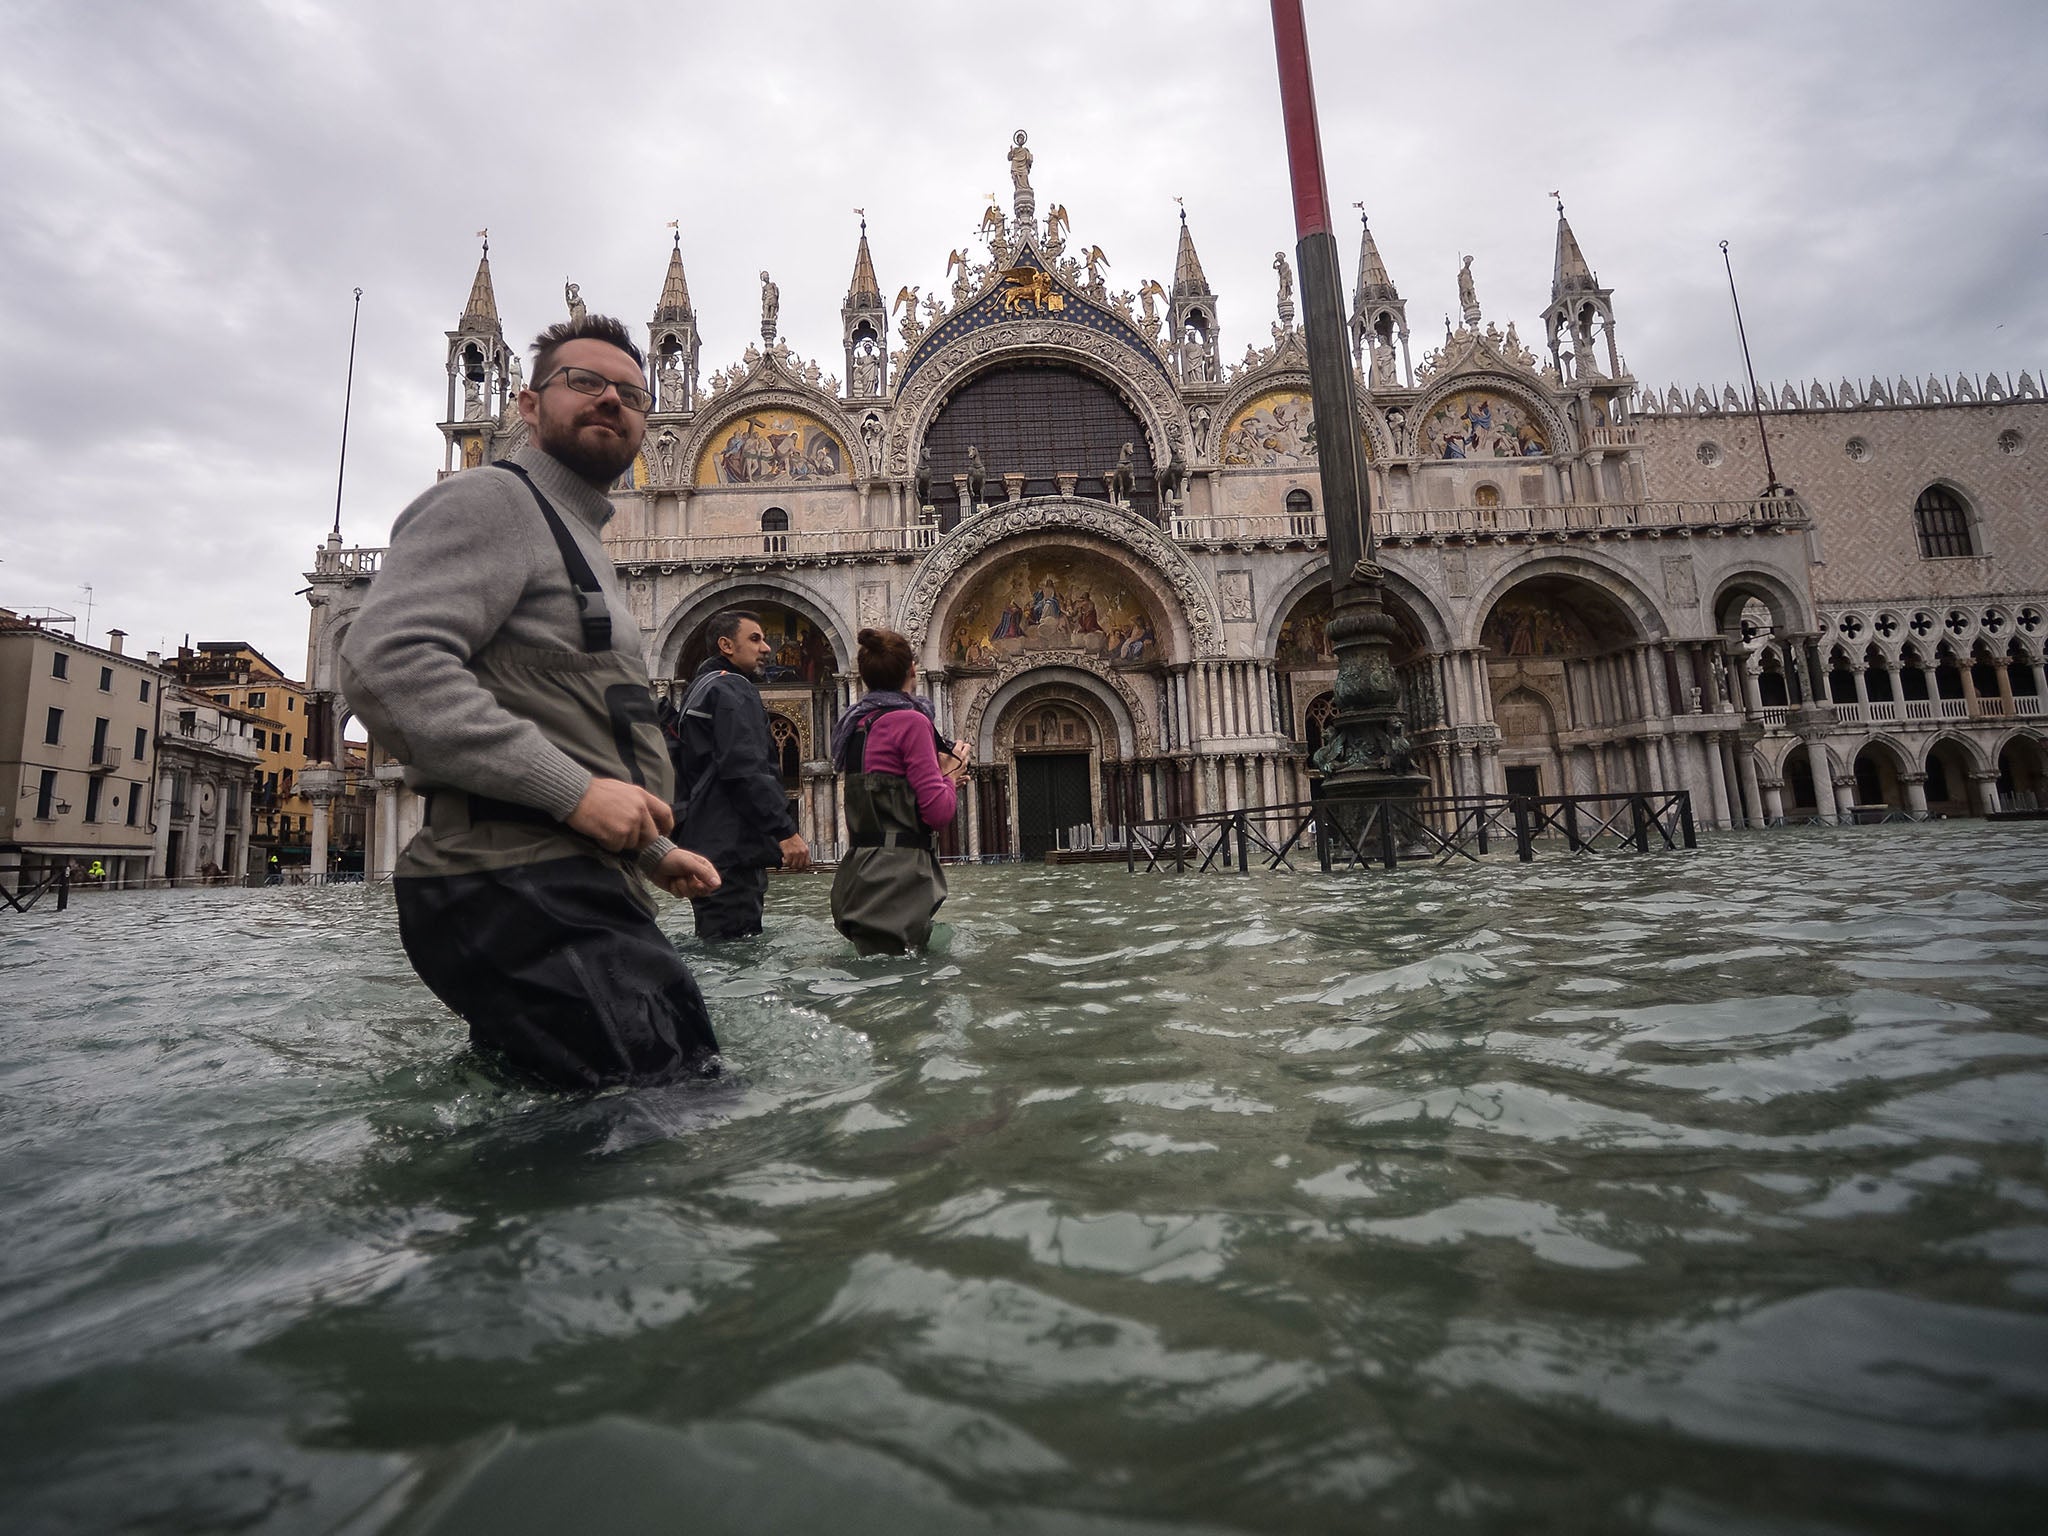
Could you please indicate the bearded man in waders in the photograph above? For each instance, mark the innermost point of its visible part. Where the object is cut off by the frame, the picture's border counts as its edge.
(497, 660)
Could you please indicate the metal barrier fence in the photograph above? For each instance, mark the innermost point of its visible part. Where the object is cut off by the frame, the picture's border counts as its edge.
(1356, 834)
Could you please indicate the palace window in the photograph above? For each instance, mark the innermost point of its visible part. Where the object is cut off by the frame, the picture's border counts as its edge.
(145, 690)
(775, 531)
(53, 727)
(46, 794)
(92, 798)
(60, 665)
(256, 700)
(1942, 521)
(106, 679)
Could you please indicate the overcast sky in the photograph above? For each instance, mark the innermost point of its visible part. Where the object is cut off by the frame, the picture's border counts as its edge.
(192, 190)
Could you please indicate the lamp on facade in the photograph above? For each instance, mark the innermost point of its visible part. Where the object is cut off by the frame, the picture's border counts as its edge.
(62, 807)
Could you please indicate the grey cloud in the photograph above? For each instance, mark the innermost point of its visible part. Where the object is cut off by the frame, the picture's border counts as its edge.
(196, 189)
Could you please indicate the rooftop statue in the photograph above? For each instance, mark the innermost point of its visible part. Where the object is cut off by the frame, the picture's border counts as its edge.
(1020, 162)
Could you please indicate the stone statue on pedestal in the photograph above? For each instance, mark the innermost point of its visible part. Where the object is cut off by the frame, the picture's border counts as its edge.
(977, 474)
(1123, 479)
(771, 309)
(573, 293)
(1023, 200)
(1468, 295)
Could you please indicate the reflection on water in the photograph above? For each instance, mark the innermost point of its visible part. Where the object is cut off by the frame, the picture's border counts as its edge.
(1678, 1194)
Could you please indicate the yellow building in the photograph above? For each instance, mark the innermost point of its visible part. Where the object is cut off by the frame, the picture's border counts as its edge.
(236, 674)
(78, 726)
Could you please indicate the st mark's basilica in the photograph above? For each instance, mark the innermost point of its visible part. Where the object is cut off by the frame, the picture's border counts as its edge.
(1103, 533)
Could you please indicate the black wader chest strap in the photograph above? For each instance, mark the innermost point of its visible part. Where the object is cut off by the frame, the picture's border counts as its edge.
(893, 839)
(484, 808)
(590, 603)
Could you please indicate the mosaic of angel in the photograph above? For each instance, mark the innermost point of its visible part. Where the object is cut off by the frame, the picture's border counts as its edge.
(1061, 603)
(773, 448)
(1275, 430)
(1481, 426)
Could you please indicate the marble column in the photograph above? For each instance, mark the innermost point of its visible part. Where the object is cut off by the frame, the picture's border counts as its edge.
(1987, 793)
(1915, 786)
(1774, 802)
(316, 839)
(387, 831)
(1717, 782)
(1745, 778)
(1823, 773)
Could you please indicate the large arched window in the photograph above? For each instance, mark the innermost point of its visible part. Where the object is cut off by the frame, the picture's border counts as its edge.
(1942, 520)
(775, 531)
(1040, 421)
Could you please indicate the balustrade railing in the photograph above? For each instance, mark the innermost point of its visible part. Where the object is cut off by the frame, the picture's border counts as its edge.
(773, 547)
(778, 547)
(347, 562)
(1611, 437)
(1490, 522)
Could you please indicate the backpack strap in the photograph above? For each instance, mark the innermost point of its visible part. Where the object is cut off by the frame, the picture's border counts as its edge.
(696, 706)
(595, 616)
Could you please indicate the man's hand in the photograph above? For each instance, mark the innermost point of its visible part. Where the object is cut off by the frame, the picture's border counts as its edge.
(956, 762)
(618, 816)
(796, 853)
(683, 873)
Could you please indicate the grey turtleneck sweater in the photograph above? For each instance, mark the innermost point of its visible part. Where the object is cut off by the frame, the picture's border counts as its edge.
(471, 561)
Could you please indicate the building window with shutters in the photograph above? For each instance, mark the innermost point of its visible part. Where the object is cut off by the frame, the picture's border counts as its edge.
(53, 727)
(1941, 518)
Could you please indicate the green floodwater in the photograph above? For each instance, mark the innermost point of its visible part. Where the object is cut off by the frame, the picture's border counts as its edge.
(1684, 1194)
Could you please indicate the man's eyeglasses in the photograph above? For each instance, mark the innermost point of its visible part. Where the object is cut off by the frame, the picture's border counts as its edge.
(585, 382)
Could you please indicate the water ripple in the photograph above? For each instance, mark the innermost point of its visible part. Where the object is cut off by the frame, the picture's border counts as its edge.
(1683, 1194)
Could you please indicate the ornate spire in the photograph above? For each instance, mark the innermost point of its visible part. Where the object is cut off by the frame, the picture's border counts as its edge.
(675, 289)
(864, 284)
(482, 307)
(1373, 281)
(1187, 266)
(1571, 274)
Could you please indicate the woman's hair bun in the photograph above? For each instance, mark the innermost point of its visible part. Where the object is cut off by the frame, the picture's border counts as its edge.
(867, 639)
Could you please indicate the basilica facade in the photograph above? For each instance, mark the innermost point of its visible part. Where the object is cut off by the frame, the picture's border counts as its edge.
(1104, 536)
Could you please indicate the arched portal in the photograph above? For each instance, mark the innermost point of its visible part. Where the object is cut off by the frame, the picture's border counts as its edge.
(1878, 769)
(1305, 666)
(1059, 771)
(2022, 775)
(1948, 779)
(1570, 687)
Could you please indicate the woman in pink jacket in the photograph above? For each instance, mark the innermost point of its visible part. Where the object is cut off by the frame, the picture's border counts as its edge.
(900, 781)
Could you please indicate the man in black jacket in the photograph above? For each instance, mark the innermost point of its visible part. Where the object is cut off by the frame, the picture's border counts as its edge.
(733, 810)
